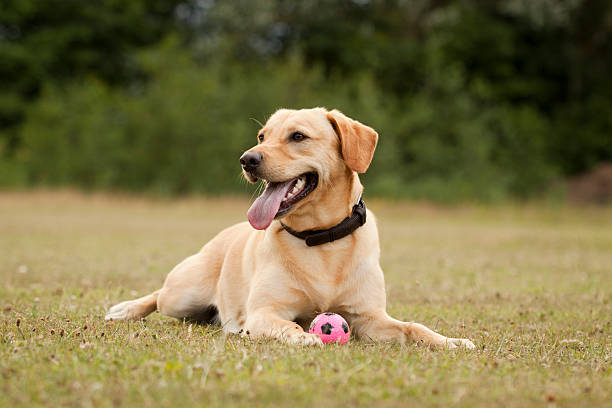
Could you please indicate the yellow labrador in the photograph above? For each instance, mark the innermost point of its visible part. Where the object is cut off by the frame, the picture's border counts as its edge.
(260, 277)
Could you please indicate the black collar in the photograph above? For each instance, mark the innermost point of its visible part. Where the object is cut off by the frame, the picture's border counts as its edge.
(346, 227)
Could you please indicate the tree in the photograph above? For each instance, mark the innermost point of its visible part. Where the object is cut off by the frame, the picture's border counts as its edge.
(54, 41)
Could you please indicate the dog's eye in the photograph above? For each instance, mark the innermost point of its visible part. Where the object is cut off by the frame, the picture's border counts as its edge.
(297, 137)
(260, 137)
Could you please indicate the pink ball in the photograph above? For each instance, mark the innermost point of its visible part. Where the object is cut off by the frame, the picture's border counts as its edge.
(331, 328)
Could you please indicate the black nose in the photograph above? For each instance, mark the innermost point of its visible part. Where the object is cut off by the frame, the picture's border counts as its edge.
(251, 160)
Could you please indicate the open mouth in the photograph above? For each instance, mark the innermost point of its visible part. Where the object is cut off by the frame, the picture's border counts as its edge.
(279, 198)
(302, 186)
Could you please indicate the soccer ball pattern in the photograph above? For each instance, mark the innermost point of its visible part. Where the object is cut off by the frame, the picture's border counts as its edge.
(331, 328)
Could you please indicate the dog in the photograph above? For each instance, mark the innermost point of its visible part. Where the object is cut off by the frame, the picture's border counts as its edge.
(264, 278)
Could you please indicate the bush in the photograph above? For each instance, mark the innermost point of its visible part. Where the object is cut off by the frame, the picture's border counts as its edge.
(185, 130)
(473, 100)
(183, 133)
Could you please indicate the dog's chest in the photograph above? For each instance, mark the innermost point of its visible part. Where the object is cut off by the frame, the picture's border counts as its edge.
(324, 297)
(325, 278)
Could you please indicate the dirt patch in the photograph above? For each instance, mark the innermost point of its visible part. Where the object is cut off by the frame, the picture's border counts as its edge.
(593, 187)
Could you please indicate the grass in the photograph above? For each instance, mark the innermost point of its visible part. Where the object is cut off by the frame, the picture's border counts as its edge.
(531, 285)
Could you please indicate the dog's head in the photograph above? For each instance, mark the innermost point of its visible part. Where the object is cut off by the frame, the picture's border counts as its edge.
(301, 152)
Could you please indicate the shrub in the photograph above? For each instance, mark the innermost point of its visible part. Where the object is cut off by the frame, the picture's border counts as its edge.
(184, 131)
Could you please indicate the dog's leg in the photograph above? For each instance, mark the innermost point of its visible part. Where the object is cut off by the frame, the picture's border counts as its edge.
(267, 323)
(381, 327)
(189, 289)
(134, 309)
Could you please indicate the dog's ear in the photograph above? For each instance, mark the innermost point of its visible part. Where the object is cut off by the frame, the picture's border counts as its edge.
(357, 140)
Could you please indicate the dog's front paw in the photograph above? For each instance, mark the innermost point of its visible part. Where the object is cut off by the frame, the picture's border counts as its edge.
(303, 339)
(454, 343)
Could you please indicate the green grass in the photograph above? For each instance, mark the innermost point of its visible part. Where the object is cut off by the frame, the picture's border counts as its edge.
(531, 285)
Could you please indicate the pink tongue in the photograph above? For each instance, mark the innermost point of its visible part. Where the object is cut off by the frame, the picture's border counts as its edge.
(266, 206)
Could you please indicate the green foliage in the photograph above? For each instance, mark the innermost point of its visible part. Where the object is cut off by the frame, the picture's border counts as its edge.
(185, 131)
(182, 133)
(473, 101)
(12, 173)
(57, 41)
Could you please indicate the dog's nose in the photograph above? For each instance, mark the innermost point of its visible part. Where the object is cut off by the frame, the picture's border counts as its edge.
(251, 160)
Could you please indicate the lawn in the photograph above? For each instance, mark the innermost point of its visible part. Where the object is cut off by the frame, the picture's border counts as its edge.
(531, 285)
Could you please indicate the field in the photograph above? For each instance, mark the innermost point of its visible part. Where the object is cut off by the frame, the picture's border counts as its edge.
(530, 285)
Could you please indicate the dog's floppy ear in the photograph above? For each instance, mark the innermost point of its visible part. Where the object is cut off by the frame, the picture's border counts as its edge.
(357, 140)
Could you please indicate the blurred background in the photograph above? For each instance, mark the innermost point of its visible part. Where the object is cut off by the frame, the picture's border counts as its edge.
(484, 101)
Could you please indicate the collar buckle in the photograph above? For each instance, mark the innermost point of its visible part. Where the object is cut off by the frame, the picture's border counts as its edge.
(360, 210)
